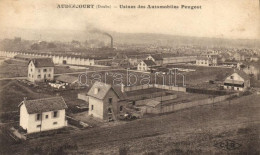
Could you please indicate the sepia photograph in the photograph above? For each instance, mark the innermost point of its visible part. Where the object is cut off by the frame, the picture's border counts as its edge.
(129, 77)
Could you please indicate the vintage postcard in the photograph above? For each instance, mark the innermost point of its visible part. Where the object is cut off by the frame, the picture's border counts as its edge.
(129, 77)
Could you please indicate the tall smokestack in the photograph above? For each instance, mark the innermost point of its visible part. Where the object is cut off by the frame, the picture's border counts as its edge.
(104, 33)
(111, 41)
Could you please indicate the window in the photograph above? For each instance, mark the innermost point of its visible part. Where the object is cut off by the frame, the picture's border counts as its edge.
(29, 75)
(46, 116)
(49, 75)
(38, 126)
(109, 110)
(237, 88)
(121, 108)
(55, 114)
(133, 102)
(39, 70)
(50, 69)
(231, 77)
(39, 76)
(38, 117)
(54, 123)
(92, 107)
(31, 70)
(44, 70)
(110, 100)
(32, 76)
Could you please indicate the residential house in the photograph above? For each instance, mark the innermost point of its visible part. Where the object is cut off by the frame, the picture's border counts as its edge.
(158, 59)
(42, 114)
(124, 63)
(251, 68)
(238, 81)
(146, 65)
(203, 61)
(40, 69)
(207, 60)
(134, 60)
(105, 101)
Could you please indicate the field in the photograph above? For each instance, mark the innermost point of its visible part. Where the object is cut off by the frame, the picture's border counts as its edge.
(197, 130)
(202, 74)
(12, 92)
(17, 68)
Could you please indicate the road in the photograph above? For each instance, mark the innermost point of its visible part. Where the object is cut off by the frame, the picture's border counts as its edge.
(71, 73)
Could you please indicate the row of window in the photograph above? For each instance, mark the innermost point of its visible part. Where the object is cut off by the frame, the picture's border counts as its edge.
(140, 68)
(109, 109)
(230, 87)
(54, 123)
(55, 115)
(39, 76)
(44, 70)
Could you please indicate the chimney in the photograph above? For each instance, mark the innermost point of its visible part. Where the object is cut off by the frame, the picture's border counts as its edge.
(25, 98)
(122, 87)
(111, 42)
(96, 90)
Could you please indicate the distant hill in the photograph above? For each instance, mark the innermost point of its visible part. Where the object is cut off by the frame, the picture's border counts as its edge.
(127, 38)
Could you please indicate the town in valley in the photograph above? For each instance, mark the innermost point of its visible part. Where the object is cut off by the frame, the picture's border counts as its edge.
(103, 96)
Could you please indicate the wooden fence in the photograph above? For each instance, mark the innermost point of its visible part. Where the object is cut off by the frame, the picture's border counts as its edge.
(179, 106)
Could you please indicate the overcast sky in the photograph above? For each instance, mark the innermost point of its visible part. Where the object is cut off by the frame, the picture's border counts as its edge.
(217, 18)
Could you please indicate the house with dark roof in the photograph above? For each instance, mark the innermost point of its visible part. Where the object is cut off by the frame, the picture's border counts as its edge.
(40, 69)
(135, 59)
(105, 101)
(207, 60)
(238, 81)
(158, 59)
(146, 65)
(42, 114)
(111, 102)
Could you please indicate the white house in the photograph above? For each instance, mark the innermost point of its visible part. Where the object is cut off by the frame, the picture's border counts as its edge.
(145, 65)
(238, 81)
(42, 114)
(204, 61)
(105, 102)
(40, 69)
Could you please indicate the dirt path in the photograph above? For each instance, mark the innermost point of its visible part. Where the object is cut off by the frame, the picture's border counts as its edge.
(196, 130)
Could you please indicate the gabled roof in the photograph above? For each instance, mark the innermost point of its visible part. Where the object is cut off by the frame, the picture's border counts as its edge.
(67, 78)
(42, 62)
(149, 62)
(203, 58)
(241, 73)
(137, 56)
(44, 105)
(157, 57)
(103, 89)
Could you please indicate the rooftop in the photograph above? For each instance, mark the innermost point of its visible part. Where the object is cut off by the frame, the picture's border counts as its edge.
(67, 78)
(149, 62)
(42, 62)
(44, 105)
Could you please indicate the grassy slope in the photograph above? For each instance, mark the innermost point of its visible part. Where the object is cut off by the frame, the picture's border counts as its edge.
(194, 130)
